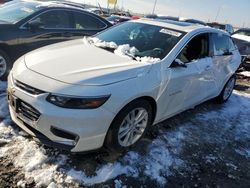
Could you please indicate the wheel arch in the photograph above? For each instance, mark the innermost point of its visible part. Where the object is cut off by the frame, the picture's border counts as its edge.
(149, 99)
(4, 49)
(151, 102)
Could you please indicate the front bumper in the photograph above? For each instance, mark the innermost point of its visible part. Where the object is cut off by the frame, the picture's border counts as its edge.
(88, 126)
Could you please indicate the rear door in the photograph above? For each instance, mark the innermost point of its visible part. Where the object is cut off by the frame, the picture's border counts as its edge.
(224, 55)
(86, 24)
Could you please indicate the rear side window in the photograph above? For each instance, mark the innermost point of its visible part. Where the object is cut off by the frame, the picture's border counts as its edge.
(87, 22)
(222, 44)
(197, 48)
(56, 19)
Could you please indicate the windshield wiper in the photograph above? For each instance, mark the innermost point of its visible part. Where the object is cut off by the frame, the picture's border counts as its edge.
(131, 55)
(106, 48)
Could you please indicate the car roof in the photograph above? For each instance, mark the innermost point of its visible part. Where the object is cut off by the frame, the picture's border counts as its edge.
(176, 25)
(55, 3)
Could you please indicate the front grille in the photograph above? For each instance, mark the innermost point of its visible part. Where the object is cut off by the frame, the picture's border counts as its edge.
(27, 111)
(28, 88)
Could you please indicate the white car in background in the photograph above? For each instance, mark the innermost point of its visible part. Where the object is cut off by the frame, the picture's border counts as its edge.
(108, 90)
(242, 40)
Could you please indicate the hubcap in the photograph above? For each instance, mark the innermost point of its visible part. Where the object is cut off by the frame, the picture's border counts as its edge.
(133, 127)
(3, 66)
(229, 88)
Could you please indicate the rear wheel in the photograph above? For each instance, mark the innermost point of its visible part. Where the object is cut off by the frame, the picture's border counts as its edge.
(129, 126)
(4, 65)
(227, 90)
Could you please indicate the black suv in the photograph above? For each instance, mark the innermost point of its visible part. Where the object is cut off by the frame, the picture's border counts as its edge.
(27, 25)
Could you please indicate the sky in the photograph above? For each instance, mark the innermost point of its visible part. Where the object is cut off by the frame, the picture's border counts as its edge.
(235, 12)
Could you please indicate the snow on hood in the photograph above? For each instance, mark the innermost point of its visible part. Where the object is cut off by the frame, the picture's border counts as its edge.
(97, 42)
(76, 62)
(241, 37)
(124, 50)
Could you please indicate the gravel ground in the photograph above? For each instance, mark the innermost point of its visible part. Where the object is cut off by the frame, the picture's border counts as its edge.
(208, 146)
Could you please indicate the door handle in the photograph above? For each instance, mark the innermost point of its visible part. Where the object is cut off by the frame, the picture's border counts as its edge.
(207, 68)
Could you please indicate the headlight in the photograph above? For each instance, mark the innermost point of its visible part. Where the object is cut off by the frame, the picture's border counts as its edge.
(77, 102)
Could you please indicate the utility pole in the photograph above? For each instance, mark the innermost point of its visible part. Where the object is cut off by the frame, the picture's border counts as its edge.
(154, 7)
(218, 12)
(243, 25)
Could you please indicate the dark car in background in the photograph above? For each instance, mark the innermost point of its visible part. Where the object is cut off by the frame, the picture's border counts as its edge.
(28, 25)
(161, 17)
(226, 27)
(4, 1)
(194, 21)
(118, 19)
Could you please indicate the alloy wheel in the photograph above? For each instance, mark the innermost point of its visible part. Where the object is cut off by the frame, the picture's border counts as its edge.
(132, 127)
(3, 66)
(229, 88)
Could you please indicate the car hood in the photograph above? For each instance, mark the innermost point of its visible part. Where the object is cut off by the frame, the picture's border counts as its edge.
(241, 37)
(77, 63)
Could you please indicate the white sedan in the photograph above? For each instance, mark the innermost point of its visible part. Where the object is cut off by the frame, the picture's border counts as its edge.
(108, 90)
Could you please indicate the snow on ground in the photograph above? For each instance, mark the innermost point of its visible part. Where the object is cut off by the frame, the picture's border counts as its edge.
(161, 157)
(245, 73)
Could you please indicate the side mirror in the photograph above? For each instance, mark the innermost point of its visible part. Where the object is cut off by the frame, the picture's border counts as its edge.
(35, 24)
(178, 63)
(227, 53)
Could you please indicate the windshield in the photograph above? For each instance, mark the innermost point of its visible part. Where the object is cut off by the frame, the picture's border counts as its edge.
(243, 32)
(14, 12)
(145, 39)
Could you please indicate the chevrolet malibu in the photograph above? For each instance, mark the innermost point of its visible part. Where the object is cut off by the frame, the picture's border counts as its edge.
(107, 91)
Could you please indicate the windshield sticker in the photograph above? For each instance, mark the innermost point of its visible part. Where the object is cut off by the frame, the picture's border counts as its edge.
(173, 33)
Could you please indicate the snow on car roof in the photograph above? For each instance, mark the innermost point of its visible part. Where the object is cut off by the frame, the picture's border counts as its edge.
(176, 25)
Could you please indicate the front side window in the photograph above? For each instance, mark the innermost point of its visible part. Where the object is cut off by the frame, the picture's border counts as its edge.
(222, 44)
(197, 48)
(148, 40)
(56, 19)
(15, 12)
(87, 22)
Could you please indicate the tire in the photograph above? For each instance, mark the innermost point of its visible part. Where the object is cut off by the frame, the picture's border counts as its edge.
(5, 65)
(227, 90)
(115, 141)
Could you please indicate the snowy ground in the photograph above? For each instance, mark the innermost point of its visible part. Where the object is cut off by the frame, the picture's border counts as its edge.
(207, 146)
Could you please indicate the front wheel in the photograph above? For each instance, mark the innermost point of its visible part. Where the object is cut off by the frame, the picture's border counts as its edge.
(129, 126)
(4, 65)
(227, 90)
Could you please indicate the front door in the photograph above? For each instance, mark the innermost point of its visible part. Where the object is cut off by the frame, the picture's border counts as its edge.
(190, 85)
(53, 26)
